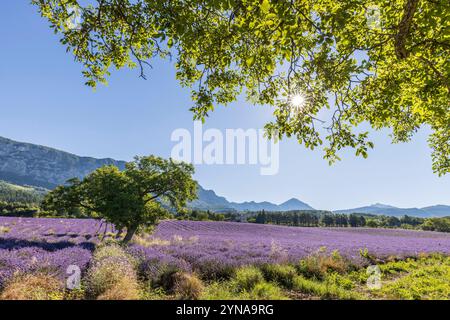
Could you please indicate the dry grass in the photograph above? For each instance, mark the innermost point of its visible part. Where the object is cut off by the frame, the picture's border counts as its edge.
(122, 289)
(33, 287)
(149, 242)
(187, 286)
(4, 229)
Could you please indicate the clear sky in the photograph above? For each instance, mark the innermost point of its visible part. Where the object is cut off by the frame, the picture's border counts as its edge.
(43, 100)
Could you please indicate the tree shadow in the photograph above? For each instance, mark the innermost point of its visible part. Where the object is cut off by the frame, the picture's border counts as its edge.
(15, 243)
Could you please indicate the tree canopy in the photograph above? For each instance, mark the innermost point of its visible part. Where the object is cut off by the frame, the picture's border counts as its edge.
(132, 198)
(384, 63)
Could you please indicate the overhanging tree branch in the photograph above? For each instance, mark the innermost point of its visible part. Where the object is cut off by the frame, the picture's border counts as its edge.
(404, 27)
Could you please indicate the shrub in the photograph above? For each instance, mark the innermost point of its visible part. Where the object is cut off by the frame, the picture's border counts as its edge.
(33, 287)
(247, 277)
(319, 264)
(422, 278)
(187, 286)
(282, 274)
(162, 273)
(343, 281)
(111, 250)
(214, 269)
(124, 288)
(167, 278)
(158, 269)
(112, 275)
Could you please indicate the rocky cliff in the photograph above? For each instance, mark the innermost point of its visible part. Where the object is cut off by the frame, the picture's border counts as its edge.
(35, 165)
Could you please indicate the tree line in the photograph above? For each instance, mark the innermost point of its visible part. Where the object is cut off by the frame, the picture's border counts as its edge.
(311, 218)
(18, 209)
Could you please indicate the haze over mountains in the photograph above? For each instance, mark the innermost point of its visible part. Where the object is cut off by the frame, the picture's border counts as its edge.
(383, 209)
(44, 167)
(209, 200)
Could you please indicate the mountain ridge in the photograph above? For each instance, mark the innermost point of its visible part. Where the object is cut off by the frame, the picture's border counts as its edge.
(23, 163)
(209, 200)
(27, 164)
(388, 210)
(36, 165)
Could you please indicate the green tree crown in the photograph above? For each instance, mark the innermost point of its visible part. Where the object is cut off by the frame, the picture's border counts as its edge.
(383, 62)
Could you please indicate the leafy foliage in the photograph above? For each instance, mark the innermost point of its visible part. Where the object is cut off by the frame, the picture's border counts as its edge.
(437, 224)
(379, 62)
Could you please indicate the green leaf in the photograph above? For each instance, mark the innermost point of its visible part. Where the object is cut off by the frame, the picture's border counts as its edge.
(250, 61)
(265, 6)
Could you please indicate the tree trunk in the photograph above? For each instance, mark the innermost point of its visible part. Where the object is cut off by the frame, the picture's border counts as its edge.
(130, 233)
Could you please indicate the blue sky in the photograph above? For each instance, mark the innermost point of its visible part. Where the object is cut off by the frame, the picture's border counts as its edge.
(43, 100)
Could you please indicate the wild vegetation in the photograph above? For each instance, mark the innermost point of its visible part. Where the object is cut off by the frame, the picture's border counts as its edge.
(218, 260)
(119, 250)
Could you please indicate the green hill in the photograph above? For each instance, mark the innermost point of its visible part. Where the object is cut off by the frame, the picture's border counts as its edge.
(20, 194)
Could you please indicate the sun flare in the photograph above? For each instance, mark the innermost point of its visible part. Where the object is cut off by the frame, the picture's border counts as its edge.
(298, 100)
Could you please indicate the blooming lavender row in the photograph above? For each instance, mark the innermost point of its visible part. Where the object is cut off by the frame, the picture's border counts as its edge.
(45, 245)
(50, 232)
(35, 260)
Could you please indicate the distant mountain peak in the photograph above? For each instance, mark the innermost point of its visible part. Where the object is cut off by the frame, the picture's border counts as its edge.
(381, 205)
(294, 204)
(291, 204)
(292, 200)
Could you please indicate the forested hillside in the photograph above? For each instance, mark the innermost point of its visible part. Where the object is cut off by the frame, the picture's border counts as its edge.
(19, 194)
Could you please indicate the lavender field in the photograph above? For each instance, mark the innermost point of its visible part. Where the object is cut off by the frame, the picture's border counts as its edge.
(245, 243)
(33, 244)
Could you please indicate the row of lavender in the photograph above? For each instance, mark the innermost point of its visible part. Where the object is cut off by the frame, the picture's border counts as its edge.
(50, 245)
(28, 244)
